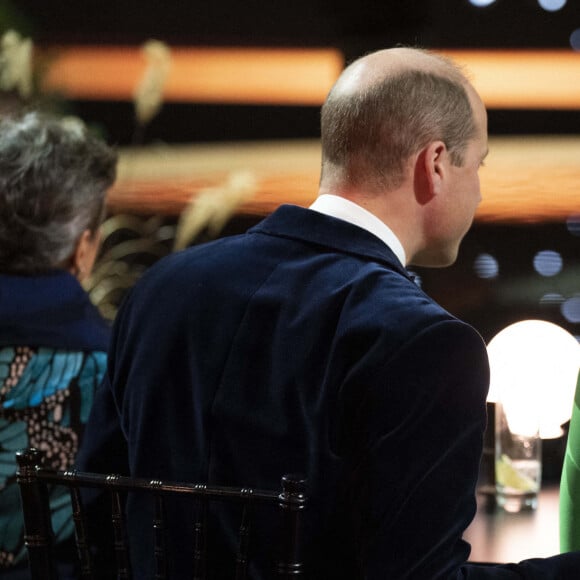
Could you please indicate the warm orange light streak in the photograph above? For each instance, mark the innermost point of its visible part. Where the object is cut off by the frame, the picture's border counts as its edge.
(210, 75)
(524, 79)
(525, 179)
(531, 179)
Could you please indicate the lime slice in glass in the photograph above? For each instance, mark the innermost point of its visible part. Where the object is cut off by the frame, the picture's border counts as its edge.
(508, 476)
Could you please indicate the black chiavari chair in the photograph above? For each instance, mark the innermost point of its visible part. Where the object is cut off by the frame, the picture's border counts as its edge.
(34, 480)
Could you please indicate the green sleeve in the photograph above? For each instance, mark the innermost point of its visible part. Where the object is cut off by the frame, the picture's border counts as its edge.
(570, 483)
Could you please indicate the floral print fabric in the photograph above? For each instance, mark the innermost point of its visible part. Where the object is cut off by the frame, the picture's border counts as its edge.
(45, 398)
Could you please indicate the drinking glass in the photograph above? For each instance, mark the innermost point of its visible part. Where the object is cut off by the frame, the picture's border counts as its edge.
(518, 458)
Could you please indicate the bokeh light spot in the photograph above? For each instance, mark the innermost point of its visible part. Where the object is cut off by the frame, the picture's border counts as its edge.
(486, 266)
(551, 299)
(573, 224)
(548, 263)
(481, 3)
(575, 39)
(552, 5)
(571, 309)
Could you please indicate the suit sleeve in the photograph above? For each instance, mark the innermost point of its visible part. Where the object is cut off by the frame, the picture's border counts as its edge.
(104, 447)
(103, 450)
(417, 446)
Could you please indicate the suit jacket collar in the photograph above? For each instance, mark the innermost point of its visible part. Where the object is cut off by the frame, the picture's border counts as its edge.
(309, 226)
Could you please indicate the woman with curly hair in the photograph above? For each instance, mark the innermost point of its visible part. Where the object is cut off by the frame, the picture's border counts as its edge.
(54, 177)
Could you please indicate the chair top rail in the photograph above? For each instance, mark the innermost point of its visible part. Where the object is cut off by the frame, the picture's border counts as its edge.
(124, 483)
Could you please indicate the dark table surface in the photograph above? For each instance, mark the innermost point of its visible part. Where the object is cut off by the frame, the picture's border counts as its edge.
(497, 536)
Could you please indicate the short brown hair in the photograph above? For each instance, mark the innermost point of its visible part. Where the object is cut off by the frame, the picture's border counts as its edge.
(371, 133)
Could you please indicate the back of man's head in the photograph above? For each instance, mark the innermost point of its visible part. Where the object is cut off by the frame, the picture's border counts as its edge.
(385, 107)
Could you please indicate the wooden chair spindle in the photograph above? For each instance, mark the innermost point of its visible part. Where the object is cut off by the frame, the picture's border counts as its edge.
(292, 502)
(119, 534)
(199, 548)
(159, 546)
(38, 535)
(81, 539)
(244, 536)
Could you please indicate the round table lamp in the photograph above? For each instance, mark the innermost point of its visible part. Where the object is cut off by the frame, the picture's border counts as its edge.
(535, 364)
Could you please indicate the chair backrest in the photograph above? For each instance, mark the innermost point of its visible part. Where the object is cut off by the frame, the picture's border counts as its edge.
(34, 480)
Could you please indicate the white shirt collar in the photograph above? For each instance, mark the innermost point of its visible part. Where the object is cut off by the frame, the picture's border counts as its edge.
(346, 210)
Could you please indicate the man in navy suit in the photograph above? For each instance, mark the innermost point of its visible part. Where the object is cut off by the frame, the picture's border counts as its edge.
(305, 346)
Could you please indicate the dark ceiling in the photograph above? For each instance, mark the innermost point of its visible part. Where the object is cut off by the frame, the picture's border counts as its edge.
(352, 26)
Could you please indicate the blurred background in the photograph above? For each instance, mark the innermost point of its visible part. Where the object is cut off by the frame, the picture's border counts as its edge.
(520, 260)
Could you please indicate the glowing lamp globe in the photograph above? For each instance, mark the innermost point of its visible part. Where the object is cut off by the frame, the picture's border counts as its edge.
(534, 368)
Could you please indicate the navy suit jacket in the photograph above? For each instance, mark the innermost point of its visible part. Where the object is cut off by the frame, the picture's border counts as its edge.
(304, 346)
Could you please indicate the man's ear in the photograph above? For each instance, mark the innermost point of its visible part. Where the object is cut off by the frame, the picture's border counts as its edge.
(430, 171)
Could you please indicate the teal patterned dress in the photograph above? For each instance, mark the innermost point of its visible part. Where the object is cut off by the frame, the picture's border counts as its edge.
(46, 389)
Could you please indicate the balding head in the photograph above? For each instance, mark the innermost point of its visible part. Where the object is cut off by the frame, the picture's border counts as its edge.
(386, 107)
(377, 66)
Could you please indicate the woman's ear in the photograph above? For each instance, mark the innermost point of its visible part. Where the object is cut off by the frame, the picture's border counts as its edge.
(85, 254)
(430, 171)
